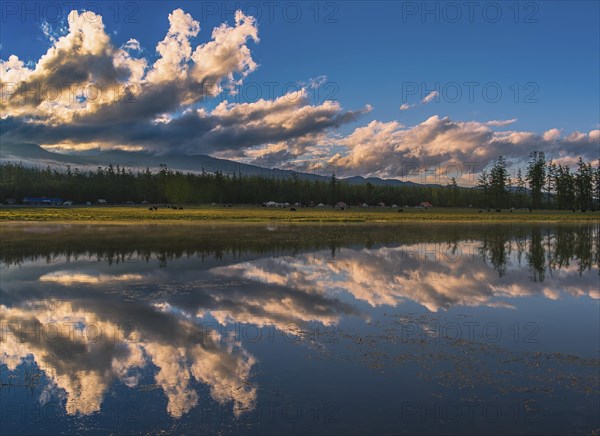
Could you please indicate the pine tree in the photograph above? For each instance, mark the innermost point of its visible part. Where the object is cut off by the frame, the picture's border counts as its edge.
(484, 183)
(536, 176)
(550, 181)
(597, 185)
(583, 185)
(520, 189)
(498, 182)
(565, 187)
(453, 188)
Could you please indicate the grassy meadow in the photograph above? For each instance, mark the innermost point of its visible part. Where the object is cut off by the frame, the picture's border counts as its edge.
(199, 214)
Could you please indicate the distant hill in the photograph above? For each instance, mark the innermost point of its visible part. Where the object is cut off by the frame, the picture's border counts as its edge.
(376, 181)
(34, 155)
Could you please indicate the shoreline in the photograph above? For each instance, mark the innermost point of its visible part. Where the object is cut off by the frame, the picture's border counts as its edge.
(122, 215)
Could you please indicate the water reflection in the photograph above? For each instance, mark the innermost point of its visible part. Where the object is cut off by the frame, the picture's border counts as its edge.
(95, 308)
(423, 274)
(83, 346)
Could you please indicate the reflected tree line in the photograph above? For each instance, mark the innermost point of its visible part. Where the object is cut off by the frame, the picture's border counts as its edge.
(543, 248)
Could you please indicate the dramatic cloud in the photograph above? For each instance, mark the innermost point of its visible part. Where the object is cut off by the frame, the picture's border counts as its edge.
(85, 92)
(392, 150)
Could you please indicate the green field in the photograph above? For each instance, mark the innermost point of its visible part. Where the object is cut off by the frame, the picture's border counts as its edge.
(118, 214)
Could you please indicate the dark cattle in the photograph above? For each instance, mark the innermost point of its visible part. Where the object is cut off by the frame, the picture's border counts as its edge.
(150, 208)
(480, 210)
(573, 210)
(498, 210)
(181, 208)
(292, 209)
(400, 210)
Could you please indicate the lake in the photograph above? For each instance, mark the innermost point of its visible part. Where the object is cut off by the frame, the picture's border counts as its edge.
(266, 329)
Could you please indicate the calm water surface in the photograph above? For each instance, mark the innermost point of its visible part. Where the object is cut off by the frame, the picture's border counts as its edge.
(426, 329)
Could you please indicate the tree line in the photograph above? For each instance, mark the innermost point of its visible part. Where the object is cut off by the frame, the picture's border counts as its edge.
(544, 185)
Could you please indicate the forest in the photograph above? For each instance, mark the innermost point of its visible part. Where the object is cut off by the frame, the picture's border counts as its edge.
(543, 185)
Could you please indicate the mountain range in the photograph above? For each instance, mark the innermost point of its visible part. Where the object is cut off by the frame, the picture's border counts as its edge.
(33, 155)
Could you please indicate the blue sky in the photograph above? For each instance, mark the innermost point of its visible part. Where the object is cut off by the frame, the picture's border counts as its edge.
(542, 56)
